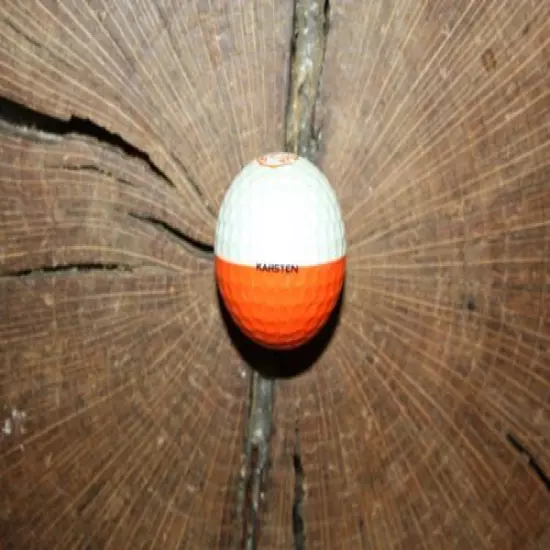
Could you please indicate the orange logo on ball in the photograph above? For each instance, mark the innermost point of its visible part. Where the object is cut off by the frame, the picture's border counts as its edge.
(276, 160)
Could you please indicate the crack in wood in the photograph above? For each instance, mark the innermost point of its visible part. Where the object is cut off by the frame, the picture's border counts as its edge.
(298, 520)
(90, 168)
(256, 458)
(19, 120)
(22, 121)
(68, 268)
(531, 461)
(23, 118)
(302, 136)
(193, 245)
(311, 26)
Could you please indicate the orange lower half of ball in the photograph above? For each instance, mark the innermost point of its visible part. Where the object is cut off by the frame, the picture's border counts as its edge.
(280, 308)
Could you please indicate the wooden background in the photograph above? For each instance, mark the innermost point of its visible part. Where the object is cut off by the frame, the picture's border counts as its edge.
(122, 399)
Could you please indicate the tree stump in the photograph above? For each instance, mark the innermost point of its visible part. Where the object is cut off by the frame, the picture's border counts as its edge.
(424, 423)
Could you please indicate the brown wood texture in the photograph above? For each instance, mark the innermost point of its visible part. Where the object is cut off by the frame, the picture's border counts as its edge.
(122, 398)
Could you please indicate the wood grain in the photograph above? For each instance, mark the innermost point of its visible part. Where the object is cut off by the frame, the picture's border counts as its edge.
(122, 398)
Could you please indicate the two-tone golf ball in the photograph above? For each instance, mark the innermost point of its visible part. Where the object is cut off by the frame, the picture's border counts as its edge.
(280, 250)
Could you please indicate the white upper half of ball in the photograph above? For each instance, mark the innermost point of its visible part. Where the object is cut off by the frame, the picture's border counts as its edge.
(280, 215)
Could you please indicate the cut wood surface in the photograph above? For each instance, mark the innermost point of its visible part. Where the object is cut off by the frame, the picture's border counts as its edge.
(425, 423)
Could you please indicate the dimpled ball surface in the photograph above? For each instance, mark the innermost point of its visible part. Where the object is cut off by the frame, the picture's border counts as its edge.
(280, 250)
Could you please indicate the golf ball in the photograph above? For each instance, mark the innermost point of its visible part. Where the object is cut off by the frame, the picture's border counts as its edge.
(280, 250)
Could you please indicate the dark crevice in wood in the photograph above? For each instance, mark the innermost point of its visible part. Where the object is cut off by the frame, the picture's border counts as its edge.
(68, 268)
(34, 123)
(91, 493)
(38, 125)
(308, 44)
(20, 116)
(298, 521)
(91, 168)
(242, 503)
(307, 49)
(256, 450)
(326, 13)
(533, 464)
(193, 245)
